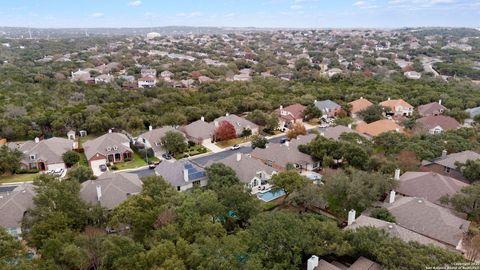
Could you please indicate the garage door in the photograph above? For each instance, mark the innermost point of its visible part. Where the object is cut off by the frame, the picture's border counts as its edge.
(52, 167)
(95, 164)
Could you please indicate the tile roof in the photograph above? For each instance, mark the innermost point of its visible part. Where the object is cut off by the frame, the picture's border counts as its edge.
(13, 205)
(359, 105)
(394, 103)
(378, 127)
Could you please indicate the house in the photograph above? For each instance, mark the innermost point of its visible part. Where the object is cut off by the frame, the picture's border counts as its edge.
(393, 230)
(328, 108)
(359, 105)
(473, 112)
(434, 108)
(279, 156)
(252, 172)
(199, 132)
(152, 138)
(290, 114)
(435, 124)
(446, 164)
(44, 155)
(378, 127)
(166, 75)
(243, 77)
(334, 71)
(428, 185)
(412, 75)
(361, 263)
(110, 189)
(112, 147)
(147, 82)
(398, 107)
(150, 72)
(13, 206)
(238, 122)
(335, 132)
(104, 78)
(81, 76)
(429, 219)
(182, 174)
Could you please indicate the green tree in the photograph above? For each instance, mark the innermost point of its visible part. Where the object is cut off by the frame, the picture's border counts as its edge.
(10, 248)
(71, 158)
(471, 170)
(372, 113)
(259, 142)
(289, 181)
(174, 142)
(80, 174)
(9, 160)
(383, 214)
(221, 176)
(466, 201)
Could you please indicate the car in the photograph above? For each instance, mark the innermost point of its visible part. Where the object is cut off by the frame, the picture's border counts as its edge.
(167, 156)
(283, 140)
(103, 167)
(58, 171)
(235, 147)
(152, 166)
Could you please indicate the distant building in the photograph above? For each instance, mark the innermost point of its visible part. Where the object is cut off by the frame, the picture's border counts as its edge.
(398, 107)
(434, 108)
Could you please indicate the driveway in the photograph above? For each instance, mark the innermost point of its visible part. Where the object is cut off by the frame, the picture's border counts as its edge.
(96, 166)
(212, 147)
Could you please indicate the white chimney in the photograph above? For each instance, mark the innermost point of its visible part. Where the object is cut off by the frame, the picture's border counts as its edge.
(312, 263)
(227, 114)
(315, 101)
(202, 118)
(37, 140)
(215, 123)
(361, 97)
(239, 156)
(287, 143)
(444, 153)
(440, 101)
(397, 174)
(350, 126)
(389, 98)
(397, 130)
(110, 131)
(281, 107)
(99, 192)
(150, 128)
(351, 217)
(185, 175)
(322, 134)
(391, 197)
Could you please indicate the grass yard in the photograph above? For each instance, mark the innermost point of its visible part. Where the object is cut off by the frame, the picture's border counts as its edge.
(136, 162)
(193, 151)
(225, 144)
(26, 177)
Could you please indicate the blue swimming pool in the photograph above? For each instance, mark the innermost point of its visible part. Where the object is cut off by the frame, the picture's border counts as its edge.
(271, 195)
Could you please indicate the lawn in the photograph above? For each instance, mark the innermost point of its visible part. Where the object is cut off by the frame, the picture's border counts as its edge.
(26, 177)
(225, 144)
(193, 151)
(136, 162)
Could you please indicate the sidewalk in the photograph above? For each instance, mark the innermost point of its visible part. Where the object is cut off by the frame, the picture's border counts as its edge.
(212, 147)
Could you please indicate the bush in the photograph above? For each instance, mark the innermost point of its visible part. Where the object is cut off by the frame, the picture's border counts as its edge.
(71, 158)
(27, 171)
(383, 214)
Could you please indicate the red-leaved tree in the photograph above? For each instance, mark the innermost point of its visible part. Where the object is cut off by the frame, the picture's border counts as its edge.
(225, 131)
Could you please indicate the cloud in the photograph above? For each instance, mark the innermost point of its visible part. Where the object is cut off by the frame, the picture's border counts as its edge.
(296, 7)
(364, 4)
(189, 15)
(98, 14)
(135, 3)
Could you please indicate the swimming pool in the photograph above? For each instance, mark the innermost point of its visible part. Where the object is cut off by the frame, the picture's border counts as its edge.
(271, 195)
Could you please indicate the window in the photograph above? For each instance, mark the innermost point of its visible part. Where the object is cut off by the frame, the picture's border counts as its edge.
(118, 156)
(446, 169)
(32, 157)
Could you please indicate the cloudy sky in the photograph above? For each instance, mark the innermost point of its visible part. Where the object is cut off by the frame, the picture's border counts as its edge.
(241, 13)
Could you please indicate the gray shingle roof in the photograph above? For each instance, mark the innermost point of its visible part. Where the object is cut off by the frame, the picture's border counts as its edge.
(154, 136)
(326, 105)
(431, 108)
(238, 122)
(428, 219)
(199, 129)
(103, 143)
(450, 160)
(49, 151)
(115, 188)
(283, 154)
(13, 205)
(336, 131)
(473, 112)
(173, 172)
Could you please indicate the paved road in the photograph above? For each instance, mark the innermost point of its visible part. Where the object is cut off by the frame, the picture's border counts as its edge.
(7, 188)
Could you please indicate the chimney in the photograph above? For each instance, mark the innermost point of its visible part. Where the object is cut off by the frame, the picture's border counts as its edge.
(287, 143)
(99, 192)
(444, 153)
(350, 126)
(110, 131)
(322, 134)
(215, 123)
(361, 97)
(391, 197)
(227, 114)
(185, 175)
(150, 128)
(281, 107)
(315, 101)
(397, 130)
(351, 217)
(239, 156)
(397, 174)
(388, 98)
(440, 101)
(312, 263)
(37, 140)
(202, 118)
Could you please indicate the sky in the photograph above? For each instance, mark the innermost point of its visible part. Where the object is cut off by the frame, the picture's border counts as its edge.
(240, 13)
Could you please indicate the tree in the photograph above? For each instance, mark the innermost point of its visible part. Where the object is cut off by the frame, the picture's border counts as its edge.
(71, 158)
(272, 124)
(296, 130)
(372, 113)
(466, 201)
(311, 111)
(246, 132)
(259, 142)
(308, 197)
(174, 142)
(221, 176)
(9, 160)
(80, 174)
(10, 248)
(383, 214)
(225, 131)
(471, 170)
(289, 181)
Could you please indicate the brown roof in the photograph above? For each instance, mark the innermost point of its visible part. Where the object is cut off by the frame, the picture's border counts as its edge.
(295, 111)
(431, 109)
(430, 122)
(428, 185)
(394, 103)
(360, 105)
(378, 127)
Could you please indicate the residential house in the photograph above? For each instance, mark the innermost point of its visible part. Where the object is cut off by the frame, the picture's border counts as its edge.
(112, 147)
(13, 206)
(398, 107)
(290, 114)
(44, 155)
(147, 82)
(104, 78)
(428, 185)
(429, 219)
(152, 138)
(378, 127)
(335, 132)
(473, 112)
(446, 164)
(328, 108)
(182, 174)
(199, 132)
(359, 105)
(252, 172)
(412, 75)
(81, 76)
(150, 72)
(334, 71)
(362, 263)
(238, 122)
(110, 189)
(393, 230)
(279, 156)
(431, 109)
(435, 124)
(166, 75)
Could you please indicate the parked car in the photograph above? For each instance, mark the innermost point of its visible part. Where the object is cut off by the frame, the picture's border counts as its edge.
(235, 147)
(58, 171)
(167, 156)
(103, 167)
(283, 140)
